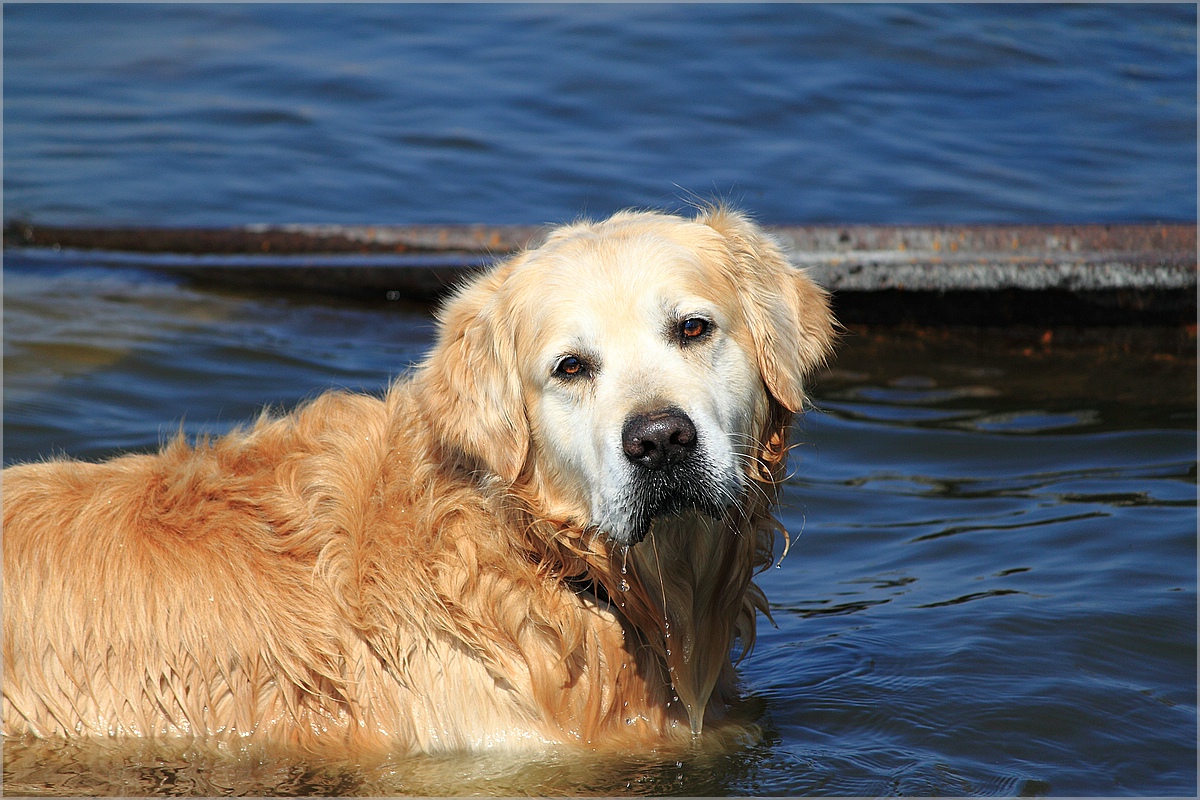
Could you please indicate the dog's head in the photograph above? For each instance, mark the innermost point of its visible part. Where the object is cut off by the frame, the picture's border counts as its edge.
(628, 370)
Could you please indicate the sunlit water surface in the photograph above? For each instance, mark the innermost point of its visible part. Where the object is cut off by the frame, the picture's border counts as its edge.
(991, 587)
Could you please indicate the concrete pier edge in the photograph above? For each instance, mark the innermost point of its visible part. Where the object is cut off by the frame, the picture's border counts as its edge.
(1087, 274)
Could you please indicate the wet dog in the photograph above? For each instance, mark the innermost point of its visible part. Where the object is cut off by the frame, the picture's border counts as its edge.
(545, 534)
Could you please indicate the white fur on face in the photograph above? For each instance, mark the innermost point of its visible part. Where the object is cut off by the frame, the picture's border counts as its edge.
(616, 305)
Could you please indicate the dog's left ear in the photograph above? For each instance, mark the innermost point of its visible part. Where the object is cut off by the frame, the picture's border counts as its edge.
(469, 384)
(789, 316)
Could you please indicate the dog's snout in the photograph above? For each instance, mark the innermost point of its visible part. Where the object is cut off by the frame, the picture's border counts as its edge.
(658, 439)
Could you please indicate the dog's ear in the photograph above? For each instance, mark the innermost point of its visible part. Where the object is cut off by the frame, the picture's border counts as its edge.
(789, 316)
(469, 385)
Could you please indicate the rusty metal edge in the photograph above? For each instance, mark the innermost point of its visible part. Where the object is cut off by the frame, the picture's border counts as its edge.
(276, 239)
(1178, 239)
(1091, 274)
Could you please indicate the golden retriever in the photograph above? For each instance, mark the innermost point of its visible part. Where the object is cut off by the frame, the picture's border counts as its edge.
(545, 534)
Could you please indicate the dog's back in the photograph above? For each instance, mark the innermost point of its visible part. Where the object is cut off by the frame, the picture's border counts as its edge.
(169, 593)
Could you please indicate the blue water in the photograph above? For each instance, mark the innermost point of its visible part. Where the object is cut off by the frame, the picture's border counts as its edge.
(992, 585)
(228, 114)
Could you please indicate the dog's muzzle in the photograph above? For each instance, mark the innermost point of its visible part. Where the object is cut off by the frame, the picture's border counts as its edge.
(670, 476)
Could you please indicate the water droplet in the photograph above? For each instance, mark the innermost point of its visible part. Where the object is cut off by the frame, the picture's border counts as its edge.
(678, 764)
(623, 585)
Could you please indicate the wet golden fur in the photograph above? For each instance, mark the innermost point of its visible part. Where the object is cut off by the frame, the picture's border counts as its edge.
(422, 571)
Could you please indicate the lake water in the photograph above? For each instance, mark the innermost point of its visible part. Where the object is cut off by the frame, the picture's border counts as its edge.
(992, 587)
(227, 114)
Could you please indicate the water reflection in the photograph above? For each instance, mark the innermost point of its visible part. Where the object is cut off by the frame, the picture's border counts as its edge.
(105, 768)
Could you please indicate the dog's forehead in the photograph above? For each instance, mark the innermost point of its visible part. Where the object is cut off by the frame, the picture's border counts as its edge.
(624, 270)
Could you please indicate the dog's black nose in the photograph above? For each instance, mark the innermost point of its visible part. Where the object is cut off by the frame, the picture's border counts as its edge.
(658, 439)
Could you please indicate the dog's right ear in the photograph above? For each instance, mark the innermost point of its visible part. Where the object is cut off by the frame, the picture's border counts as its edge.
(469, 385)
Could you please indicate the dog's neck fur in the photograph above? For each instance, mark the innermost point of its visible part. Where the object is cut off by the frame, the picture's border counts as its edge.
(686, 591)
(693, 577)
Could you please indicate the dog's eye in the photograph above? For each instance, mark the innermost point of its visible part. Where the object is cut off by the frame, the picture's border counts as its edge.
(570, 367)
(693, 328)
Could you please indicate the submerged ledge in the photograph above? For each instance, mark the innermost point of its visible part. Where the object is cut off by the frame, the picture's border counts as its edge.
(879, 274)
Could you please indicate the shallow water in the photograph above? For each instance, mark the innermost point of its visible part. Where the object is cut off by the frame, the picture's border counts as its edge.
(991, 587)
